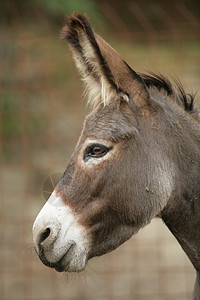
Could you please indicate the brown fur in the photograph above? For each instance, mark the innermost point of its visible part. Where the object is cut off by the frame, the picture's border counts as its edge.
(154, 166)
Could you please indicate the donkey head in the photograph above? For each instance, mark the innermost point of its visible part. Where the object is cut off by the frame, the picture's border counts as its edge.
(114, 183)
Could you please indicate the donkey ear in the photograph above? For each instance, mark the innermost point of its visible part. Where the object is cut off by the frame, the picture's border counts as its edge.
(105, 73)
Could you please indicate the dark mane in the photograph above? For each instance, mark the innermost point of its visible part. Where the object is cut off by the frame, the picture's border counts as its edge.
(160, 82)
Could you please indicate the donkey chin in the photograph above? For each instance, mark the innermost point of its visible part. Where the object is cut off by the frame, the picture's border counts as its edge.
(60, 241)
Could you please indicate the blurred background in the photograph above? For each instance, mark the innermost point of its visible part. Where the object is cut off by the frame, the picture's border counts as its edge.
(41, 115)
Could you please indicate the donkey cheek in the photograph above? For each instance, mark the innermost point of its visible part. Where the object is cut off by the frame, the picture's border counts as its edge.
(104, 241)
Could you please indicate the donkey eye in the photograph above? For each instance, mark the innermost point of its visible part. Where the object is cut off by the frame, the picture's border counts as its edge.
(96, 151)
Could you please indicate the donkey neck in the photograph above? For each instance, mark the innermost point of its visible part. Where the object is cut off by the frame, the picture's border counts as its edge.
(185, 228)
(182, 212)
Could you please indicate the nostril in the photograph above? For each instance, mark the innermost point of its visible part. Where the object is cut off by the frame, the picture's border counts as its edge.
(44, 235)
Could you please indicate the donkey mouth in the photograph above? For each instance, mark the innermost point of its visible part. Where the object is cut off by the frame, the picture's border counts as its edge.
(62, 264)
(72, 261)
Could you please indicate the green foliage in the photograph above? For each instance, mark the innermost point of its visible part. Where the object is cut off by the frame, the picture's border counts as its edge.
(67, 6)
(40, 11)
(11, 121)
(57, 8)
(12, 125)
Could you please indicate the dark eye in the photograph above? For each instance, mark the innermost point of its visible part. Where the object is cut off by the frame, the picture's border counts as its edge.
(95, 151)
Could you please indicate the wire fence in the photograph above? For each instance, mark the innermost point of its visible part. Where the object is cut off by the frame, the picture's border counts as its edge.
(152, 20)
(40, 120)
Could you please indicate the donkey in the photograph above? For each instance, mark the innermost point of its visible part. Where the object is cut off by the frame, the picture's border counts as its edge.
(138, 157)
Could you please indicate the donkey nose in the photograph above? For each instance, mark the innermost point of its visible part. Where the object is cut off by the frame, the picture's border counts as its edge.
(45, 236)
